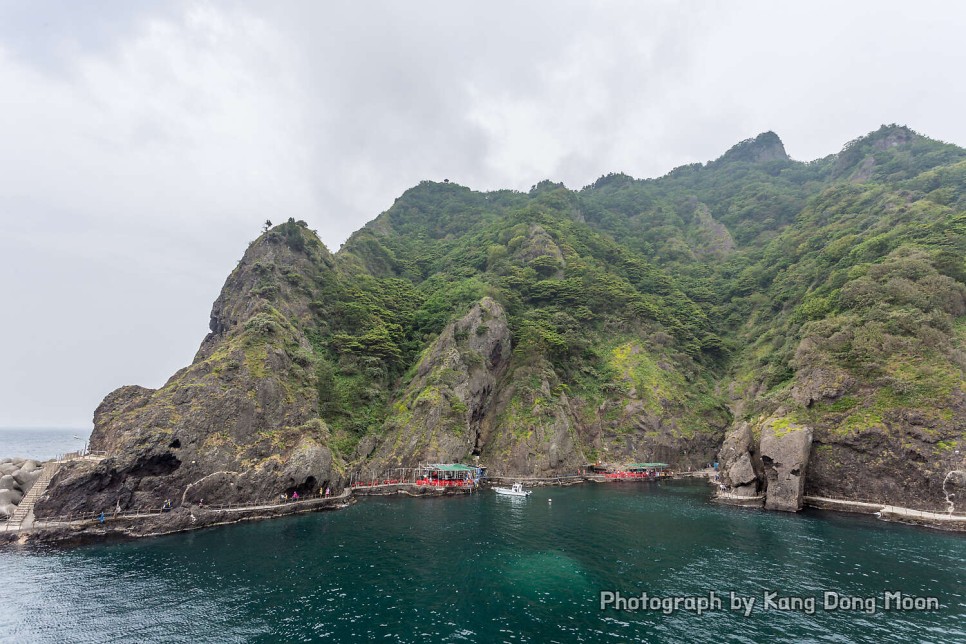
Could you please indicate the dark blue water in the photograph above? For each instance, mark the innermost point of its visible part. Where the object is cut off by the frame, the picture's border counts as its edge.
(41, 443)
(488, 569)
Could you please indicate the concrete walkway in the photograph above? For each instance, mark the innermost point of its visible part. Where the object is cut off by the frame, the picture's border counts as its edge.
(345, 494)
(883, 510)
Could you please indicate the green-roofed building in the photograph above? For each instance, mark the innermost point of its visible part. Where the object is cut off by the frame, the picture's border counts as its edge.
(647, 466)
(448, 475)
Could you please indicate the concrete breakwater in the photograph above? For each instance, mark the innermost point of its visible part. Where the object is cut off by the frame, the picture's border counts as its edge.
(17, 476)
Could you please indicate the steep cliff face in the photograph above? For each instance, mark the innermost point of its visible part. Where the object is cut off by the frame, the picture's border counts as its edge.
(533, 428)
(241, 424)
(879, 384)
(438, 418)
(785, 450)
(470, 399)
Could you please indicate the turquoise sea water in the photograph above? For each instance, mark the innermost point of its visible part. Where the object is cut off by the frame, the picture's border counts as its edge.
(484, 568)
(41, 443)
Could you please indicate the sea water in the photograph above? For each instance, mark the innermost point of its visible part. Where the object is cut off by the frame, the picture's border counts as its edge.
(487, 568)
(41, 443)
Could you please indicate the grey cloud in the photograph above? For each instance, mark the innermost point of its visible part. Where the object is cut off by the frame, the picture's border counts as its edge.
(146, 142)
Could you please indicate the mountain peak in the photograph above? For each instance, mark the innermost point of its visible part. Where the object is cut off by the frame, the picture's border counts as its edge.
(887, 136)
(893, 150)
(765, 147)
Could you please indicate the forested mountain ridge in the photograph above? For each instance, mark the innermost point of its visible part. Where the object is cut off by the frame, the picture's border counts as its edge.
(756, 302)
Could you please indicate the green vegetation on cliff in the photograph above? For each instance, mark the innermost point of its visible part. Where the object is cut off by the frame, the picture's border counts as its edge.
(631, 319)
(656, 308)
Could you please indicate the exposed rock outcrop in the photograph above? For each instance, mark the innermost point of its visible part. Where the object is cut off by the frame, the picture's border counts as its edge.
(814, 384)
(785, 449)
(438, 417)
(538, 427)
(711, 238)
(241, 424)
(532, 429)
(740, 462)
(765, 147)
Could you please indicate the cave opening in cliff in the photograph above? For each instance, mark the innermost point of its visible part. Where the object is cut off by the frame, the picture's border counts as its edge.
(156, 465)
(307, 487)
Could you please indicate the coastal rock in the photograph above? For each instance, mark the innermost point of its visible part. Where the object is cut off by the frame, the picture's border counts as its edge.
(785, 448)
(743, 476)
(954, 488)
(7, 482)
(898, 458)
(308, 468)
(120, 402)
(740, 462)
(25, 478)
(539, 427)
(10, 497)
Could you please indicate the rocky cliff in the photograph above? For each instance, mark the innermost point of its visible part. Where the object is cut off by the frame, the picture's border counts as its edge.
(241, 424)
(439, 416)
(803, 322)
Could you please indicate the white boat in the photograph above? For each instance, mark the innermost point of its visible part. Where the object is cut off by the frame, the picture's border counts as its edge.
(516, 490)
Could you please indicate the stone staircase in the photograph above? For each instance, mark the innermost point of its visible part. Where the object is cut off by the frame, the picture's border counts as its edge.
(23, 517)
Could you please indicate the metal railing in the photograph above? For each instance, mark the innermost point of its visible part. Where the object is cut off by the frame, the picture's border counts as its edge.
(274, 502)
(84, 454)
(542, 479)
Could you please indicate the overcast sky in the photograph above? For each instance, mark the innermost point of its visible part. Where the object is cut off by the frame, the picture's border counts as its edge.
(142, 144)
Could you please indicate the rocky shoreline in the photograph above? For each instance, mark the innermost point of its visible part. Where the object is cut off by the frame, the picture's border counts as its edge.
(154, 523)
(189, 518)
